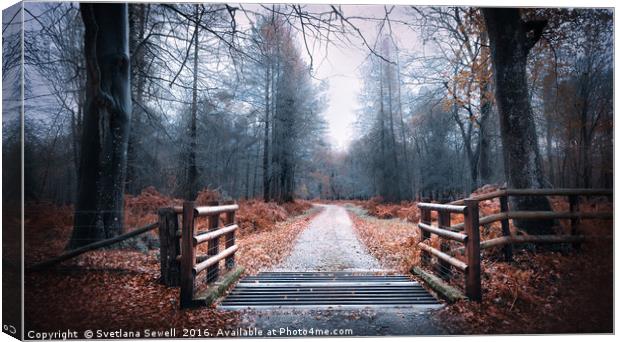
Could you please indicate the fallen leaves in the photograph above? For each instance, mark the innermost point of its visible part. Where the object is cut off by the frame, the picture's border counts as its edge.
(392, 242)
(111, 289)
(115, 289)
(405, 210)
(264, 249)
(545, 290)
(541, 292)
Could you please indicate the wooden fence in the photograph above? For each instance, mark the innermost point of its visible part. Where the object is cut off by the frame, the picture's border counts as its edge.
(179, 263)
(468, 232)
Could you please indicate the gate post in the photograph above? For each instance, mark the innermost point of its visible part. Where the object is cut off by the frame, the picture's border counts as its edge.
(472, 251)
(188, 255)
(230, 238)
(169, 246)
(425, 217)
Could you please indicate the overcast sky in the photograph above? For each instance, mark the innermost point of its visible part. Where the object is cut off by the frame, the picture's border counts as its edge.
(341, 68)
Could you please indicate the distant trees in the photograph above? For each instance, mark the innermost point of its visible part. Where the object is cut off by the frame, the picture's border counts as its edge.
(573, 87)
(232, 105)
(381, 127)
(461, 125)
(291, 107)
(454, 81)
(462, 66)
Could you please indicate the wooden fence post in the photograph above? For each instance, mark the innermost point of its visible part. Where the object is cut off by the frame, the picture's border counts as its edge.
(444, 267)
(213, 248)
(573, 203)
(230, 238)
(425, 217)
(169, 247)
(472, 251)
(503, 203)
(188, 255)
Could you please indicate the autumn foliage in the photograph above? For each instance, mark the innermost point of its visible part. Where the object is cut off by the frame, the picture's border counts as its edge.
(405, 210)
(120, 287)
(48, 226)
(544, 290)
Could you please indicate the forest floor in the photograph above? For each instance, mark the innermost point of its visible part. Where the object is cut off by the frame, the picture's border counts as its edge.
(559, 290)
(330, 244)
(119, 288)
(544, 290)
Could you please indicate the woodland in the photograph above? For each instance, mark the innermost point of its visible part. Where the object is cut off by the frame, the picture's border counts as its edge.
(133, 107)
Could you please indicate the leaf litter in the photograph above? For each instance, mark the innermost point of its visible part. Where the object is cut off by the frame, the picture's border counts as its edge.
(119, 287)
(544, 290)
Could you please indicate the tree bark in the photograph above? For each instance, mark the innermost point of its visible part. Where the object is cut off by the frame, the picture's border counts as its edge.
(107, 117)
(511, 40)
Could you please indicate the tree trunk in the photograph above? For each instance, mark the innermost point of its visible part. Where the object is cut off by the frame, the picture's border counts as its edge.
(247, 174)
(484, 158)
(384, 184)
(510, 41)
(409, 190)
(255, 177)
(549, 103)
(395, 173)
(192, 170)
(585, 138)
(137, 23)
(266, 168)
(107, 117)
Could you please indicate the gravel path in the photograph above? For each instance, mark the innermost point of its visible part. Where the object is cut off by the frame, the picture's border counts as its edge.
(329, 244)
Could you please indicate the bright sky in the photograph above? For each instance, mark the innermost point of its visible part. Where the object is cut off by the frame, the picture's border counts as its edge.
(342, 69)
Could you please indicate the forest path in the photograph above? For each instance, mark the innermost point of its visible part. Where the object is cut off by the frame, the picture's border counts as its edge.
(330, 244)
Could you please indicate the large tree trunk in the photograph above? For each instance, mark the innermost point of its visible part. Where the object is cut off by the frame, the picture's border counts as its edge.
(511, 40)
(107, 117)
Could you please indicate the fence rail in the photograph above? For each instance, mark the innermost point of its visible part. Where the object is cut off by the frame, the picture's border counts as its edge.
(90, 247)
(179, 263)
(468, 232)
(470, 239)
